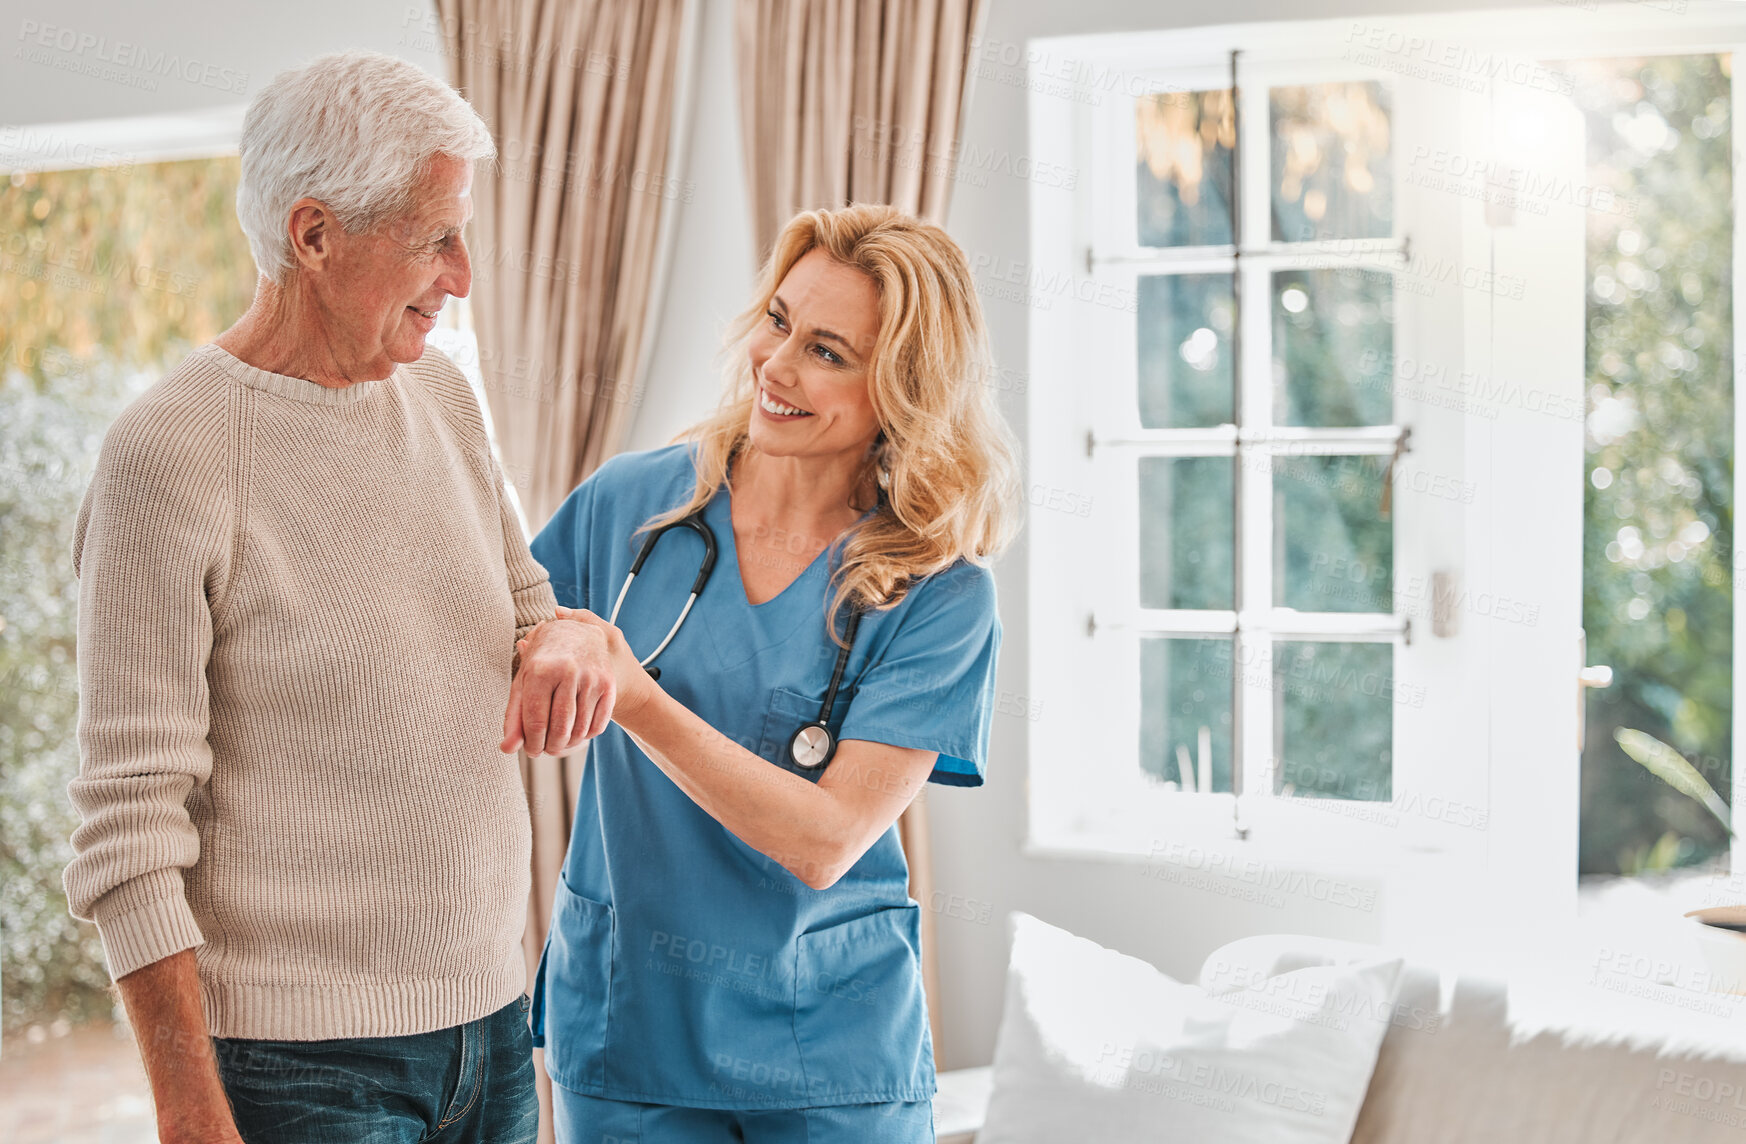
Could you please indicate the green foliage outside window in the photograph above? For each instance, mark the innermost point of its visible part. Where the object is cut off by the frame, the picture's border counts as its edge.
(107, 279)
(1659, 525)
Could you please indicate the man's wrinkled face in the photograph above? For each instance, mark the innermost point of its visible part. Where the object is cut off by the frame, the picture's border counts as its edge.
(380, 290)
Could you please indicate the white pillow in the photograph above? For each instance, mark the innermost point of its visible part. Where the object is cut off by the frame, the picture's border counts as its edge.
(1098, 1046)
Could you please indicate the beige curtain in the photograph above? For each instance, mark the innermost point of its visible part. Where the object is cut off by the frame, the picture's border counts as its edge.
(581, 96)
(856, 101)
(851, 101)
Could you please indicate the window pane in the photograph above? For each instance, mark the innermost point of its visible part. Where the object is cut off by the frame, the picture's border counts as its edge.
(1185, 691)
(1185, 350)
(1185, 532)
(1333, 550)
(1184, 141)
(1333, 346)
(1333, 720)
(1332, 173)
(1662, 547)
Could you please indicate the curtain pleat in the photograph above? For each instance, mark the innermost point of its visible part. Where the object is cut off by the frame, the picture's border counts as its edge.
(850, 101)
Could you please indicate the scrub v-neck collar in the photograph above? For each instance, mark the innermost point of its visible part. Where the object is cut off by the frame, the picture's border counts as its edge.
(725, 496)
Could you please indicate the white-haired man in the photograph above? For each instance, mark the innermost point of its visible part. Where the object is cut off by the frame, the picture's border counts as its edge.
(301, 591)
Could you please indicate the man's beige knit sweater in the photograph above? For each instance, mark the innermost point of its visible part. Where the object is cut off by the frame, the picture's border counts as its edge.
(297, 615)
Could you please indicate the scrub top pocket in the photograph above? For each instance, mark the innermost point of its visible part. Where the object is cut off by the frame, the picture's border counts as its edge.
(576, 988)
(858, 985)
(787, 713)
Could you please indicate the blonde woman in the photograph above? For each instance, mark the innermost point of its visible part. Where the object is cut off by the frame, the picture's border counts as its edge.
(809, 635)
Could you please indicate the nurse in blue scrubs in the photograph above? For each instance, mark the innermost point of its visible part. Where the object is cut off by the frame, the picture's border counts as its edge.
(734, 954)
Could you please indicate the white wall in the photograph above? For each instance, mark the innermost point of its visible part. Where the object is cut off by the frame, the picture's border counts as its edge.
(99, 59)
(710, 279)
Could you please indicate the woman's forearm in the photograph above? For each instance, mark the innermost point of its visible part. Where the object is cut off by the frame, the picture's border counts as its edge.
(777, 813)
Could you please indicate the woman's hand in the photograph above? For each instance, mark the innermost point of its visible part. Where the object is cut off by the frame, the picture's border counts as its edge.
(635, 688)
(565, 692)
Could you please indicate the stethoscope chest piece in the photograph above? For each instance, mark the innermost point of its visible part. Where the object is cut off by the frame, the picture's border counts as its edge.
(812, 746)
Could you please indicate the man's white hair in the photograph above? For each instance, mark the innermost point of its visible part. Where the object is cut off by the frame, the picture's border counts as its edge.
(355, 131)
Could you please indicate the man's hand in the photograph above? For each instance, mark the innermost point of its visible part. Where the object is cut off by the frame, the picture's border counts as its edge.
(565, 691)
(635, 688)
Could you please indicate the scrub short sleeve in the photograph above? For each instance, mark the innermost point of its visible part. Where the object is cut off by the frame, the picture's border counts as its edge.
(562, 546)
(933, 687)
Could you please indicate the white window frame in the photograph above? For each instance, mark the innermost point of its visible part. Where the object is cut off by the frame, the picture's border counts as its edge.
(123, 142)
(1087, 797)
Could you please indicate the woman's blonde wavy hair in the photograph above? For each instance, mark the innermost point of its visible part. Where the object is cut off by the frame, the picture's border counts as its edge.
(945, 461)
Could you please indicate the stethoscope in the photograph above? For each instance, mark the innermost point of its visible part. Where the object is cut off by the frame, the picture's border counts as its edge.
(812, 744)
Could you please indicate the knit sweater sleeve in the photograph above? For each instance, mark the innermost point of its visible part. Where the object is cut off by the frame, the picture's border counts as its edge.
(151, 550)
(529, 585)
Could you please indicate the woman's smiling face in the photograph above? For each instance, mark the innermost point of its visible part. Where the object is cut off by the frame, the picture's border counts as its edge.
(811, 359)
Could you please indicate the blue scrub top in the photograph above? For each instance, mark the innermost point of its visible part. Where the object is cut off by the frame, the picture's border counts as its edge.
(684, 967)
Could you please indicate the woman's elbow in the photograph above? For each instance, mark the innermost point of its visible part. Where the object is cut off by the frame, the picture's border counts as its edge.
(823, 864)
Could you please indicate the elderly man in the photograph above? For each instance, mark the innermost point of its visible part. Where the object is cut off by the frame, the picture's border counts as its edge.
(301, 593)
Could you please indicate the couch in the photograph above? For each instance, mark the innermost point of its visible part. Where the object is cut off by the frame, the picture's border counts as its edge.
(1633, 1054)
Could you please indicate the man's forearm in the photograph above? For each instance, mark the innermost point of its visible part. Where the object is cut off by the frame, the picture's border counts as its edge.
(163, 1006)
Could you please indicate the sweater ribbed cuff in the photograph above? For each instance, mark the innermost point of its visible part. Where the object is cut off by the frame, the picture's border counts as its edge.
(135, 935)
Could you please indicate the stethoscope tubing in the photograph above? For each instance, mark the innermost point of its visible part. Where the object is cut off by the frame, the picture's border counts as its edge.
(806, 752)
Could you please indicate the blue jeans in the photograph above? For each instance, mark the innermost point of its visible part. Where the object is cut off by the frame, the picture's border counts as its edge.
(470, 1084)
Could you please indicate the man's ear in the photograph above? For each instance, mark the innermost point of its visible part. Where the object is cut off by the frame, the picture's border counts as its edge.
(311, 229)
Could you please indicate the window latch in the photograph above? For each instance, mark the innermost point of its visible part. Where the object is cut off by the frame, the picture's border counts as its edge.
(1400, 447)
